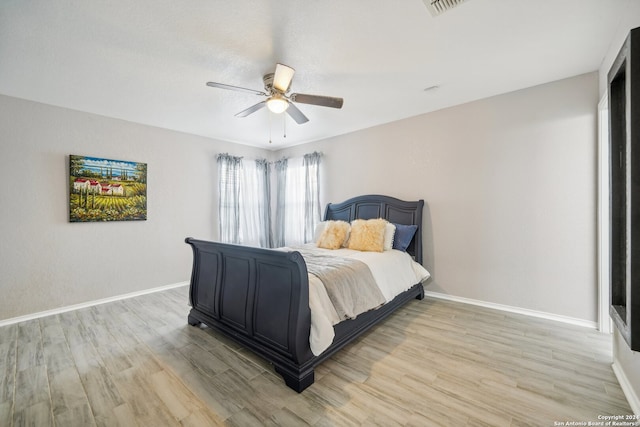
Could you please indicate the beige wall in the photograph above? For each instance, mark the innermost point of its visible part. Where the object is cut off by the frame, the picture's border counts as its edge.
(47, 262)
(509, 185)
(510, 189)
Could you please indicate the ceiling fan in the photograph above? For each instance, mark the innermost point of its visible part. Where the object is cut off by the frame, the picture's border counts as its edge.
(276, 86)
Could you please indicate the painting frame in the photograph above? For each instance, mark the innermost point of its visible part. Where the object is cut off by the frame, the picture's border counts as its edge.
(102, 190)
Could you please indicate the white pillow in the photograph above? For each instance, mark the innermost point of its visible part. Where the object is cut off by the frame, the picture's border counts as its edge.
(389, 232)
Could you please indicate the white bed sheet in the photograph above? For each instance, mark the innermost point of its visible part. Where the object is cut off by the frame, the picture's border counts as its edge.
(394, 272)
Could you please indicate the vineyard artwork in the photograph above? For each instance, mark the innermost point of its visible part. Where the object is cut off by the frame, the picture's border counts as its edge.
(106, 190)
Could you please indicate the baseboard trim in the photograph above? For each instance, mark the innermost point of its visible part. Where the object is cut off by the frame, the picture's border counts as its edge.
(517, 310)
(438, 295)
(627, 388)
(88, 304)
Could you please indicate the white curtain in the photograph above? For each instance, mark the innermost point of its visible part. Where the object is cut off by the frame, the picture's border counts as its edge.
(294, 203)
(311, 166)
(263, 170)
(298, 199)
(281, 184)
(244, 208)
(254, 204)
(229, 168)
(244, 201)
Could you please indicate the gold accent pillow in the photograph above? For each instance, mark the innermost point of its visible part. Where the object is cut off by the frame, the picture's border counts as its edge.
(334, 235)
(367, 235)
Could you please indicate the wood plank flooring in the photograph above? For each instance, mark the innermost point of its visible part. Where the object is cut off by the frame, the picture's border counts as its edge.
(433, 363)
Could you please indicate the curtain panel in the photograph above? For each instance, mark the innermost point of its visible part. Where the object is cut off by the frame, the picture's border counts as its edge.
(263, 170)
(229, 197)
(311, 166)
(298, 199)
(281, 185)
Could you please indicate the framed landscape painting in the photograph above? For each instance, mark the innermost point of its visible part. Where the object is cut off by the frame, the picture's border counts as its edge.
(106, 190)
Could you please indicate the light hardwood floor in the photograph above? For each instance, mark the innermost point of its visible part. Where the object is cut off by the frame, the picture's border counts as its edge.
(137, 362)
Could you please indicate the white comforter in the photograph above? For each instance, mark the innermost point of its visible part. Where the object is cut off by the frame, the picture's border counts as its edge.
(394, 271)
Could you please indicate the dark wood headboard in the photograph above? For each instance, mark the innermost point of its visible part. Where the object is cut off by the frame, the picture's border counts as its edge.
(377, 206)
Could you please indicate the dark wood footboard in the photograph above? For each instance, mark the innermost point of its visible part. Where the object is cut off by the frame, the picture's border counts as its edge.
(259, 298)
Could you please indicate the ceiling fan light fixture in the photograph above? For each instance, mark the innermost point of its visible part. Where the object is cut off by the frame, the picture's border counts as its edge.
(277, 104)
(282, 77)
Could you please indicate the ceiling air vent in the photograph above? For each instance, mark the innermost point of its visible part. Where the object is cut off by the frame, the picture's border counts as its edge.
(437, 7)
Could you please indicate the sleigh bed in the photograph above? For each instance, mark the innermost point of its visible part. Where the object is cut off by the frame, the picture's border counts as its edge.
(260, 297)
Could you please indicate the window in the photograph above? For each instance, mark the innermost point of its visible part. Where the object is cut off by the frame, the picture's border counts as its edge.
(244, 205)
(298, 199)
(243, 201)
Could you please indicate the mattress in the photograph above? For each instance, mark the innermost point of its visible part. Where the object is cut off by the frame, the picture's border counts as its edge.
(394, 272)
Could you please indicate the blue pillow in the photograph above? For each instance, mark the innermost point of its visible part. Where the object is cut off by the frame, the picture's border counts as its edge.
(403, 236)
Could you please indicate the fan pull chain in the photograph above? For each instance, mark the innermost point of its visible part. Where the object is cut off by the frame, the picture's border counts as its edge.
(269, 127)
(284, 117)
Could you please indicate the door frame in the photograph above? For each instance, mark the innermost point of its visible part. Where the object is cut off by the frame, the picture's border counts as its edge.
(604, 222)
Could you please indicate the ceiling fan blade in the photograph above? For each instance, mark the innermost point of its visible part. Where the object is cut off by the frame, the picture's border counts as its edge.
(236, 88)
(296, 114)
(282, 77)
(323, 101)
(252, 109)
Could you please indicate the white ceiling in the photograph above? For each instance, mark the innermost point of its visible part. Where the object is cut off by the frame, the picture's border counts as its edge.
(148, 61)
